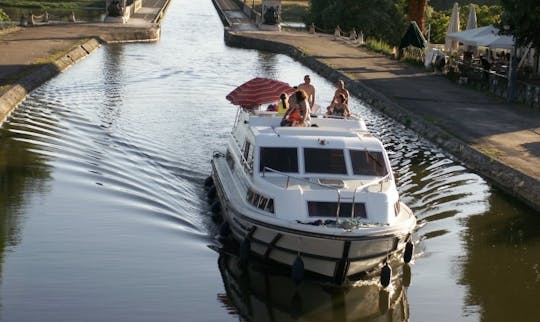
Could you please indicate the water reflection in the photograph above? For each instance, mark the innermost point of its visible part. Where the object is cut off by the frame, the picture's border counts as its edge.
(22, 173)
(502, 264)
(262, 293)
(113, 76)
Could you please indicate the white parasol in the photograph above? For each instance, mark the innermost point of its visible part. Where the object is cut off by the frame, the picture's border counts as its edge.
(453, 27)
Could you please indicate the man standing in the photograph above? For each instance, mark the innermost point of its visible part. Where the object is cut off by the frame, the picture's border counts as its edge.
(309, 89)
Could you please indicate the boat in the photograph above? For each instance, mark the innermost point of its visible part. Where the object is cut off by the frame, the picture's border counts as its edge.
(320, 199)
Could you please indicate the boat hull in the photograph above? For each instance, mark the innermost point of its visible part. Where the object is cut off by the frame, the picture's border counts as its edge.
(333, 256)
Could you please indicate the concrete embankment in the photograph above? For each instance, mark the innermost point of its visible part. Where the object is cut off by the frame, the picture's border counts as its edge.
(494, 159)
(26, 61)
(38, 75)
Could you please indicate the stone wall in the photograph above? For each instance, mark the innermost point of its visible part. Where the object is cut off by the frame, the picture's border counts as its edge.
(17, 93)
(510, 180)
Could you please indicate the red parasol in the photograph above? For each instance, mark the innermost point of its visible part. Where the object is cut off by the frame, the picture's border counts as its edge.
(259, 91)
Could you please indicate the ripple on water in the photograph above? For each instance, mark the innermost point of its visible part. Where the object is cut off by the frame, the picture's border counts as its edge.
(129, 170)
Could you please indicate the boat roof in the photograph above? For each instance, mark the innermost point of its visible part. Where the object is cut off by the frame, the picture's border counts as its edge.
(314, 137)
(328, 132)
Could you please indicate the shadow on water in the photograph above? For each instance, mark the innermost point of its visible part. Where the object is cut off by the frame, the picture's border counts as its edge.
(262, 293)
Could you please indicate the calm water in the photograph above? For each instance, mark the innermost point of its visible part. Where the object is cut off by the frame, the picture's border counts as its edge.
(103, 215)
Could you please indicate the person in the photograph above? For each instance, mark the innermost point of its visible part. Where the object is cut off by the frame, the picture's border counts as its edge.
(340, 90)
(309, 90)
(283, 104)
(297, 113)
(340, 109)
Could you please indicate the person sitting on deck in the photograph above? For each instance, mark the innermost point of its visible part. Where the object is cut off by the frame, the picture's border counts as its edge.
(340, 90)
(339, 109)
(298, 113)
(283, 104)
(309, 90)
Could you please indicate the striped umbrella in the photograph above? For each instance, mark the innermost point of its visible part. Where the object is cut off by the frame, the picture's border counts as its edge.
(259, 91)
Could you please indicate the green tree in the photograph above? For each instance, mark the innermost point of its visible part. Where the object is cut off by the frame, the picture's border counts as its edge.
(3, 15)
(381, 19)
(523, 20)
(488, 15)
(438, 22)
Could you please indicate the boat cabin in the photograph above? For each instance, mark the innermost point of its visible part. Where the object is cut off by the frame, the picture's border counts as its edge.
(333, 169)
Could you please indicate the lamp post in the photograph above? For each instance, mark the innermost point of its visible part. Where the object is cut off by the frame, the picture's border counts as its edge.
(512, 71)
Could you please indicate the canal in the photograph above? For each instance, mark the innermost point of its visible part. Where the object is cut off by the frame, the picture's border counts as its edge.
(104, 217)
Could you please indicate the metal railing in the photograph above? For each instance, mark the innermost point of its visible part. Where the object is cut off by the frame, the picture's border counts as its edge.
(337, 190)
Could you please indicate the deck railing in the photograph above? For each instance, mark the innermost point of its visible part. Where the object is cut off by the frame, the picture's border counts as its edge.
(330, 187)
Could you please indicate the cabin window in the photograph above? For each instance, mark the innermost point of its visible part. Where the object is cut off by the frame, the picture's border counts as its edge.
(280, 159)
(325, 161)
(329, 209)
(259, 201)
(368, 163)
(247, 153)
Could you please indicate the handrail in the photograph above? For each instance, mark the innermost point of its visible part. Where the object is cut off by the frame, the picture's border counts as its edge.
(337, 190)
(297, 178)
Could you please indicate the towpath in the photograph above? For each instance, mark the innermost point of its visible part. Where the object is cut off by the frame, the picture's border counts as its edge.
(28, 47)
(506, 136)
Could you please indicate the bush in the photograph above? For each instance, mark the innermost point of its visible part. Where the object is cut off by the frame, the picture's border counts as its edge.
(3, 16)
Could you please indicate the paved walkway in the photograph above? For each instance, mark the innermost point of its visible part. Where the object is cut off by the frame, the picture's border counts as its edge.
(507, 132)
(28, 47)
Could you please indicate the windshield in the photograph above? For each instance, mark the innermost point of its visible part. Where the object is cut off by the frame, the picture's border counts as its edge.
(330, 161)
(368, 163)
(280, 159)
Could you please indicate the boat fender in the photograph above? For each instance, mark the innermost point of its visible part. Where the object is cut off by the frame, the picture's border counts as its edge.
(245, 248)
(211, 194)
(209, 182)
(386, 275)
(224, 230)
(297, 270)
(216, 207)
(408, 253)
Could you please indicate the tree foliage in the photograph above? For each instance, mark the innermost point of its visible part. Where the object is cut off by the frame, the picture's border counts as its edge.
(382, 19)
(523, 20)
(439, 20)
(3, 15)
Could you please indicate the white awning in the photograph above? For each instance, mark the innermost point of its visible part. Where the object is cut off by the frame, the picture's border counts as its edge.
(487, 36)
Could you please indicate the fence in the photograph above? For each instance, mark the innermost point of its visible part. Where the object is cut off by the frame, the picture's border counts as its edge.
(495, 83)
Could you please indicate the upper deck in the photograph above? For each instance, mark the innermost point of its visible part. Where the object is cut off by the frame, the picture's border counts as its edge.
(330, 132)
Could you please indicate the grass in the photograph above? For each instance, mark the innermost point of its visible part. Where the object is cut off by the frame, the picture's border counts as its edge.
(379, 46)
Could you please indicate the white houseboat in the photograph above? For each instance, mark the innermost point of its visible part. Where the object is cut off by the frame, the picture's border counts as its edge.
(321, 199)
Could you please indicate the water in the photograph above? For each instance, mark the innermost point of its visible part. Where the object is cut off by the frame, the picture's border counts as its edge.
(103, 214)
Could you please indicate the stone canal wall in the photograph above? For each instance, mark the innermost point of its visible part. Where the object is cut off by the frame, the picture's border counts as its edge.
(507, 178)
(39, 75)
